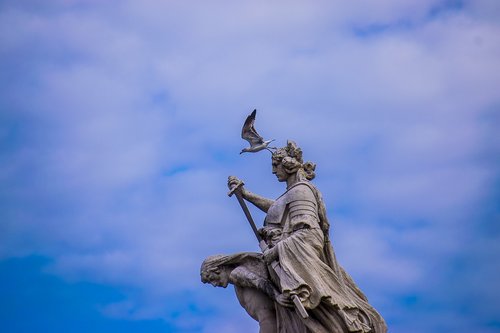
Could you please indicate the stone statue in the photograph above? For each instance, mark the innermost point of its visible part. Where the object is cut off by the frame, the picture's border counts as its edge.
(253, 287)
(296, 285)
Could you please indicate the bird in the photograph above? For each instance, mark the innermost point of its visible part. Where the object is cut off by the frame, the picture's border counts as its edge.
(248, 133)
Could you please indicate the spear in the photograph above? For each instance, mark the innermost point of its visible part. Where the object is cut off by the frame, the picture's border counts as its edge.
(236, 190)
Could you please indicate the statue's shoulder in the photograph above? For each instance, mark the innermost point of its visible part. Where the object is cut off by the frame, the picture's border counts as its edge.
(301, 191)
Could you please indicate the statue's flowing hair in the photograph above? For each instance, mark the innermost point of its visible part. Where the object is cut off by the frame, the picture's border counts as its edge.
(291, 158)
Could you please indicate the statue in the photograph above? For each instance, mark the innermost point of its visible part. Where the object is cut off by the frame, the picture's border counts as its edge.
(296, 284)
(254, 290)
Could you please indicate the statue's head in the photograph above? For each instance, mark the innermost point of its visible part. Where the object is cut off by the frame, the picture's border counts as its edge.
(214, 271)
(288, 160)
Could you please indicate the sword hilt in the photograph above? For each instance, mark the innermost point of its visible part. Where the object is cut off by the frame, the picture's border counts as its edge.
(236, 187)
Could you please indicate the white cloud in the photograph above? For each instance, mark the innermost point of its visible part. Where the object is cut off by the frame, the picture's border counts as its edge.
(136, 113)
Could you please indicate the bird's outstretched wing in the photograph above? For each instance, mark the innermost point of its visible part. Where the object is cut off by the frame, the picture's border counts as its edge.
(249, 133)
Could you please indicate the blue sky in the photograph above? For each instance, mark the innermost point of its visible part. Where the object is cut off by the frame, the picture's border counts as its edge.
(120, 122)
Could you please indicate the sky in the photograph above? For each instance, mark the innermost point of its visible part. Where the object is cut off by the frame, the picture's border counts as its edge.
(120, 122)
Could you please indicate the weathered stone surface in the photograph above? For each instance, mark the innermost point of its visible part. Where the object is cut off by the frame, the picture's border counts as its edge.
(296, 285)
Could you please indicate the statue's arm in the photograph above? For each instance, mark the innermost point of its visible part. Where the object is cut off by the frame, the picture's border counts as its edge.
(259, 201)
(243, 277)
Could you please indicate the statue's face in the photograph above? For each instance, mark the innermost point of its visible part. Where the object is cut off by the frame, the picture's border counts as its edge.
(219, 278)
(279, 171)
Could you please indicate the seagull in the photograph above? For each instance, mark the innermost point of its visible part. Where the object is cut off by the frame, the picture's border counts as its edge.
(249, 133)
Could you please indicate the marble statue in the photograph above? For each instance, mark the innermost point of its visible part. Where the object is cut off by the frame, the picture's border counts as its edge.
(296, 285)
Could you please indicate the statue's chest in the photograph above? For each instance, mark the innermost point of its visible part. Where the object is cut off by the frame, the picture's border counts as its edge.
(275, 213)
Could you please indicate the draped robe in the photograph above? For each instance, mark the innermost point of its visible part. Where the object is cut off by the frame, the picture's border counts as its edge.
(310, 270)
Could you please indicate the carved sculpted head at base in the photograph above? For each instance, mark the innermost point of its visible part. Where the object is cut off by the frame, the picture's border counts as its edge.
(214, 273)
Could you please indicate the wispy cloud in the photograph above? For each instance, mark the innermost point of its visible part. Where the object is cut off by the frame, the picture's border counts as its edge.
(120, 123)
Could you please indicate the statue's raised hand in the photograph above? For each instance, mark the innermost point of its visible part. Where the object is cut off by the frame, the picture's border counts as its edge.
(233, 182)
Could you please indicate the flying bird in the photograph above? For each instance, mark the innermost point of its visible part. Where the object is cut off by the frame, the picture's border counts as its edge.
(248, 132)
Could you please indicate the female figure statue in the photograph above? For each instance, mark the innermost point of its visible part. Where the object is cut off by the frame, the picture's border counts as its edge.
(296, 229)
